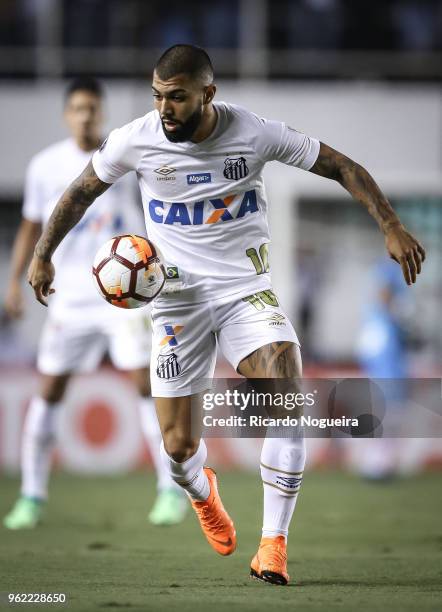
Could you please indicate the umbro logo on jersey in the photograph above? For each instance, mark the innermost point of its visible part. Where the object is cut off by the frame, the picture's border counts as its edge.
(168, 366)
(165, 170)
(235, 168)
(165, 173)
(202, 212)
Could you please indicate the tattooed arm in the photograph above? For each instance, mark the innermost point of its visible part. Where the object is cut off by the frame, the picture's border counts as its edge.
(69, 210)
(400, 244)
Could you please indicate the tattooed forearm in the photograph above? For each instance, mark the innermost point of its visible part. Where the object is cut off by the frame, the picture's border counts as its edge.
(69, 210)
(358, 182)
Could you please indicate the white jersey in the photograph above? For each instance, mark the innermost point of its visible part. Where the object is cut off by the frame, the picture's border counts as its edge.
(205, 204)
(49, 174)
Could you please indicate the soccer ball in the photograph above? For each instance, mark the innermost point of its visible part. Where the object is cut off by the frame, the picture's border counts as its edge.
(128, 271)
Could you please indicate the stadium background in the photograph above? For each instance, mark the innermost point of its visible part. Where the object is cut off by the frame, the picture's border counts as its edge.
(363, 77)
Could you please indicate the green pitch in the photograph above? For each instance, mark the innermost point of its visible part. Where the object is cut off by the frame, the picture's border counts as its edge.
(353, 546)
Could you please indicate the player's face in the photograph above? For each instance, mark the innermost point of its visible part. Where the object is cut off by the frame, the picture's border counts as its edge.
(180, 102)
(84, 116)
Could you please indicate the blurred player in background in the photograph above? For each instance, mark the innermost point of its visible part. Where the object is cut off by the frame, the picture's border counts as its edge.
(382, 354)
(80, 326)
(382, 344)
(199, 166)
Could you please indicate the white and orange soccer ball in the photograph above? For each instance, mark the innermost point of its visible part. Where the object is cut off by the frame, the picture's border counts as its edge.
(128, 271)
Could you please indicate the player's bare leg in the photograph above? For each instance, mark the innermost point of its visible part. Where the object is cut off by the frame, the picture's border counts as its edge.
(184, 454)
(282, 464)
(170, 505)
(37, 444)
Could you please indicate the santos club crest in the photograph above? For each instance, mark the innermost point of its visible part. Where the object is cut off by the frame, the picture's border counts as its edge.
(235, 168)
(168, 366)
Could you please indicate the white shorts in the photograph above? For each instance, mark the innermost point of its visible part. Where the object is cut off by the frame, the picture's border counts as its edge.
(73, 345)
(185, 338)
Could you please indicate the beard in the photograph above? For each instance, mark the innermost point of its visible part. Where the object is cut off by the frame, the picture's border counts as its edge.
(186, 129)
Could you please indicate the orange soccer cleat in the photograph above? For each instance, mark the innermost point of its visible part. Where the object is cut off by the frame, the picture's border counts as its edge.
(216, 524)
(270, 562)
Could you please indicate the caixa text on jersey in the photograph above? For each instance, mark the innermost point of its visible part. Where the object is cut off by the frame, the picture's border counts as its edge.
(209, 211)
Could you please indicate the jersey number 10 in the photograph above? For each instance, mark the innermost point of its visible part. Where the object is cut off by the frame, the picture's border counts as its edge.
(261, 260)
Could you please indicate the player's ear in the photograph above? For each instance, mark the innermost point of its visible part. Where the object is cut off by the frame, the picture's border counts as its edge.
(209, 93)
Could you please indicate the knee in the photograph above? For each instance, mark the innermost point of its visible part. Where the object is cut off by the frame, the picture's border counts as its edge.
(178, 445)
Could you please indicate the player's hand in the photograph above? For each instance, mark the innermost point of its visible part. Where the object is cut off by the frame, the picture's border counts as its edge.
(13, 304)
(40, 276)
(406, 250)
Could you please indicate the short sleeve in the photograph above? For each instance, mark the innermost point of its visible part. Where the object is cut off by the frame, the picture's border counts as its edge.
(116, 156)
(279, 142)
(34, 199)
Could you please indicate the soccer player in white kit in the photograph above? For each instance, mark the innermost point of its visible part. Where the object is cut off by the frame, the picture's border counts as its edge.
(80, 325)
(199, 167)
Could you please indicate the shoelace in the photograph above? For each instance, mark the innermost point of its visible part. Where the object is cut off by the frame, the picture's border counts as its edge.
(210, 519)
(274, 554)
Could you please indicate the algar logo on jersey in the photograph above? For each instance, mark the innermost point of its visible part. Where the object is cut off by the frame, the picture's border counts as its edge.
(213, 210)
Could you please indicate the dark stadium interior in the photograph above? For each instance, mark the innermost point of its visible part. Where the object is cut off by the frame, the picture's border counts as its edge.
(396, 39)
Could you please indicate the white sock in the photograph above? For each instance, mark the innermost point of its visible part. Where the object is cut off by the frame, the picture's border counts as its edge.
(189, 474)
(282, 466)
(152, 434)
(37, 444)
